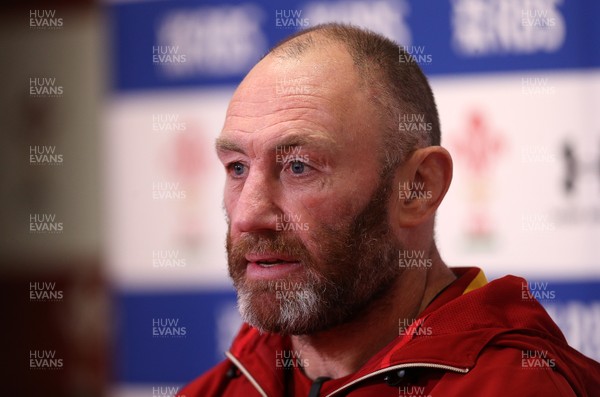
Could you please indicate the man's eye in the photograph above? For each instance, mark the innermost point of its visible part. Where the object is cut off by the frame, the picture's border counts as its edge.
(238, 169)
(297, 167)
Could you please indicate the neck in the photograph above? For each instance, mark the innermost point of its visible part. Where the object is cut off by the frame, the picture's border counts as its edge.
(342, 350)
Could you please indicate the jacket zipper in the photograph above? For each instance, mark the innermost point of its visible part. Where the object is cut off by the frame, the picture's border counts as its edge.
(381, 371)
(246, 373)
(400, 366)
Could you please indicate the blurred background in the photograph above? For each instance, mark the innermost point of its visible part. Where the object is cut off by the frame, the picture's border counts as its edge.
(113, 274)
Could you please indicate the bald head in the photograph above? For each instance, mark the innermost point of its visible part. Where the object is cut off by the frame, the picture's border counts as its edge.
(317, 90)
(391, 80)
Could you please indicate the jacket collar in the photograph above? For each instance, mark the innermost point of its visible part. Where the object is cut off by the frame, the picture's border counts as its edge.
(448, 334)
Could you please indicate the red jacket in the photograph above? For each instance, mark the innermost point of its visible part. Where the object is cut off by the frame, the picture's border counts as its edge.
(475, 339)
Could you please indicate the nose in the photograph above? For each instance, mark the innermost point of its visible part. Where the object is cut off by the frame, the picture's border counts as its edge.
(255, 209)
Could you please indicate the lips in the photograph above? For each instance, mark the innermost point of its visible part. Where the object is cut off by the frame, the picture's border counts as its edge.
(270, 260)
(271, 263)
(264, 266)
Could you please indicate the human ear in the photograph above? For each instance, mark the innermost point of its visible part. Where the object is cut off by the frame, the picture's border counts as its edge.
(421, 183)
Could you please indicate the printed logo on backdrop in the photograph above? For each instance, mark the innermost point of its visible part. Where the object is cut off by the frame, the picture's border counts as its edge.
(209, 41)
(579, 182)
(188, 164)
(478, 150)
(179, 188)
(579, 321)
(387, 17)
(485, 27)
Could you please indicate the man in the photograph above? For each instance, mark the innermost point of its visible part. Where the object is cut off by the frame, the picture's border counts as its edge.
(331, 210)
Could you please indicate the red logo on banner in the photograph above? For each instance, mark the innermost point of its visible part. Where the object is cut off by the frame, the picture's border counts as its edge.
(477, 149)
(479, 146)
(189, 152)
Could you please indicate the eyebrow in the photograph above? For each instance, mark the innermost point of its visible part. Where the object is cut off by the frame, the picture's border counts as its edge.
(226, 145)
(293, 140)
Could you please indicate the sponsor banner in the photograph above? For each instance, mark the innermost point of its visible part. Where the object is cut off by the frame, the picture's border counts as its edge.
(171, 337)
(525, 197)
(164, 184)
(182, 43)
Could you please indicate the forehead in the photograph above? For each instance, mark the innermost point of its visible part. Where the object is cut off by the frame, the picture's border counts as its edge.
(317, 93)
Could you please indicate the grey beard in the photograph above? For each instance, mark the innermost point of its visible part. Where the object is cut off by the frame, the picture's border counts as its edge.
(296, 314)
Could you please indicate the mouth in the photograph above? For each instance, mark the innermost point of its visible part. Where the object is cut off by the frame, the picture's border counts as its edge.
(273, 262)
(270, 266)
(270, 259)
